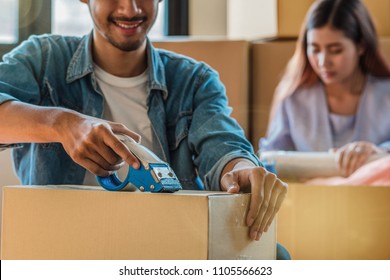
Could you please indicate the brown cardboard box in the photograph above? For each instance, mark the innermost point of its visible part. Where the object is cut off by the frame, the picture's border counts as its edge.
(334, 223)
(71, 222)
(269, 18)
(290, 15)
(380, 10)
(231, 59)
(384, 43)
(269, 59)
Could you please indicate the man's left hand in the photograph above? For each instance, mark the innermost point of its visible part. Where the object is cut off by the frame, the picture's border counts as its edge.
(268, 192)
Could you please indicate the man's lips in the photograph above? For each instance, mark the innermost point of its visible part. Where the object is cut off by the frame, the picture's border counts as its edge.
(127, 24)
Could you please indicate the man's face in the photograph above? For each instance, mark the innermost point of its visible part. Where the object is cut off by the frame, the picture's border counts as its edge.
(122, 23)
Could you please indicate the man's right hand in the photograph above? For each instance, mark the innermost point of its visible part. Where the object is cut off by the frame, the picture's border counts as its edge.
(92, 143)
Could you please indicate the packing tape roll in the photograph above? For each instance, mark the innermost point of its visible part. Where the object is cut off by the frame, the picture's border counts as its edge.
(300, 166)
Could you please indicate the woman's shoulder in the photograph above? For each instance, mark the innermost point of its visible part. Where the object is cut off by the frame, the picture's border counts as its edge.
(379, 85)
(306, 94)
(378, 81)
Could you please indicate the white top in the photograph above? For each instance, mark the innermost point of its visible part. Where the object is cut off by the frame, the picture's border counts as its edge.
(342, 128)
(125, 102)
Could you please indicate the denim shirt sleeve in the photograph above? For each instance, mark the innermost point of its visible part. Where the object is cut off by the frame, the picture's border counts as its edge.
(20, 73)
(215, 137)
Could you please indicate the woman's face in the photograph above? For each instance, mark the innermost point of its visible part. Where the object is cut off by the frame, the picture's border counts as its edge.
(333, 56)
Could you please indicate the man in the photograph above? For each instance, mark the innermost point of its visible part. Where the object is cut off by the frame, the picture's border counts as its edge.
(57, 95)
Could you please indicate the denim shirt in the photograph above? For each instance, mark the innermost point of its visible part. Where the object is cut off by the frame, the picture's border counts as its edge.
(187, 106)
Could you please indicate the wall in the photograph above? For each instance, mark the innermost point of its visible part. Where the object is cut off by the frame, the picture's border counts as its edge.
(7, 175)
(207, 17)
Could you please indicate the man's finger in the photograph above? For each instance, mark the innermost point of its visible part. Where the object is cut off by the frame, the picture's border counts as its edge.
(257, 179)
(122, 151)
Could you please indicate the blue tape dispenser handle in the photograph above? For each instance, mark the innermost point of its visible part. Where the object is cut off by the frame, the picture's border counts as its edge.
(154, 175)
(112, 182)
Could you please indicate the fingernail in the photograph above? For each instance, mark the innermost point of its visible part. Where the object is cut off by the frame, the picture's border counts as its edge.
(250, 221)
(232, 187)
(254, 235)
(259, 234)
(135, 165)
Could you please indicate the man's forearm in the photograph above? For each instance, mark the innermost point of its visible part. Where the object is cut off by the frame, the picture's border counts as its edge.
(28, 123)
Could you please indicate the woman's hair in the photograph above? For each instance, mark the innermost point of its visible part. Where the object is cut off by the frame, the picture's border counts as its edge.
(353, 19)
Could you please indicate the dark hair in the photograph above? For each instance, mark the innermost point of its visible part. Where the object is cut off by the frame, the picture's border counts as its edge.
(353, 19)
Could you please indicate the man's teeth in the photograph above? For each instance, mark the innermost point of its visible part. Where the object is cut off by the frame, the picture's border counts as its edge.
(123, 25)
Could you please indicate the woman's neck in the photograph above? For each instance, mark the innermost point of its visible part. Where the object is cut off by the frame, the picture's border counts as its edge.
(353, 86)
(343, 98)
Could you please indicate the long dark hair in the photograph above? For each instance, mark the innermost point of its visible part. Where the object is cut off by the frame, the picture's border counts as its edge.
(353, 19)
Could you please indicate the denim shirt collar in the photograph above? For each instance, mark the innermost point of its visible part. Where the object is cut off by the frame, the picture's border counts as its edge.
(157, 79)
(81, 65)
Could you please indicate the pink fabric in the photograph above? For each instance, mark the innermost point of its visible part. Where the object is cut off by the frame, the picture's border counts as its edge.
(375, 173)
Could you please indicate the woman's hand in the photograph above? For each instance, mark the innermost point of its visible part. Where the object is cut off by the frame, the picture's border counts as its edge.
(354, 155)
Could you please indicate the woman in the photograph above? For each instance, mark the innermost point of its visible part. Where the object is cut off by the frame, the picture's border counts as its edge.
(335, 93)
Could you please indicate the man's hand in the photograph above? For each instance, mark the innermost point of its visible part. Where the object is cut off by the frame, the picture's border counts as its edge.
(268, 192)
(92, 143)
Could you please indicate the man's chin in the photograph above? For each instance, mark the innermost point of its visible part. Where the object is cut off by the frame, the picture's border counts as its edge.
(128, 46)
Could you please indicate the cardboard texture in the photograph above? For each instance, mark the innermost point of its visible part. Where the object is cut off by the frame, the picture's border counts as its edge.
(71, 222)
(231, 59)
(335, 223)
(269, 59)
(379, 10)
(290, 15)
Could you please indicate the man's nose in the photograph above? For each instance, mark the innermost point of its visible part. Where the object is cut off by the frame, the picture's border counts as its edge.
(130, 8)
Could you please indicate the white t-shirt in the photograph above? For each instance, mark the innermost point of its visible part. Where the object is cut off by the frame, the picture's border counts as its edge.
(125, 102)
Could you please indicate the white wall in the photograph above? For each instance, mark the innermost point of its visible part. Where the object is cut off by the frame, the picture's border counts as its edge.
(207, 17)
(7, 175)
(251, 19)
(235, 19)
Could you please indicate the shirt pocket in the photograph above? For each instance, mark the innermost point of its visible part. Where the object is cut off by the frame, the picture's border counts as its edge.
(60, 97)
(178, 130)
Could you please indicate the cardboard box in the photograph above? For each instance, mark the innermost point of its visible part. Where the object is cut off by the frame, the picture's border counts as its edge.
(270, 18)
(335, 222)
(68, 222)
(231, 59)
(269, 59)
(283, 18)
(379, 10)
